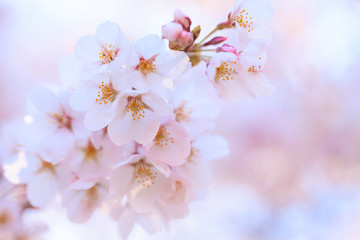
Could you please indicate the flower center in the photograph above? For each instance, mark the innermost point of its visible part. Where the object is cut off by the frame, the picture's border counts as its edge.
(193, 156)
(255, 69)
(106, 93)
(163, 137)
(61, 120)
(244, 20)
(4, 218)
(90, 153)
(46, 167)
(145, 174)
(182, 113)
(108, 53)
(225, 71)
(147, 66)
(136, 106)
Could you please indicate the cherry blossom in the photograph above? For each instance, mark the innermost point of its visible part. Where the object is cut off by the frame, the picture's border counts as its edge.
(98, 97)
(250, 17)
(196, 169)
(142, 183)
(170, 146)
(252, 62)
(138, 117)
(83, 198)
(43, 179)
(195, 101)
(129, 131)
(163, 210)
(178, 31)
(223, 72)
(89, 160)
(106, 48)
(236, 77)
(149, 64)
(57, 125)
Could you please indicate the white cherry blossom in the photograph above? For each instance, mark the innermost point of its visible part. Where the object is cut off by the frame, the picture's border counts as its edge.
(252, 64)
(149, 64)
(107, 48)
(83, 198)
(236, 77)
(138, 117)
(195, 101)
(141, 182)
(89, 160)
(43, 179)
(196, 169)
(55, 123)
(250, 17)
(98, 97)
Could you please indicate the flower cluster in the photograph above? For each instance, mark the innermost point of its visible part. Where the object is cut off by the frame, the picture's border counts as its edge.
(130, 131)
(13, 207)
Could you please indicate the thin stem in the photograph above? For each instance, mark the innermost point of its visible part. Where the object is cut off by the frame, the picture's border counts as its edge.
(203, 50)
(206, 37)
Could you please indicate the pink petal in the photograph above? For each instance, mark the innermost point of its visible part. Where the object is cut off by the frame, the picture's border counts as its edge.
(41, 189)
(120, 180)
(176, 150)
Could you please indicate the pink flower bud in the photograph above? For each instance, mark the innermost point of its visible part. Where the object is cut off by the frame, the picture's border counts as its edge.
(185, 39)
(171, 30)
(227, 48)
(183, 19)
(215, 40)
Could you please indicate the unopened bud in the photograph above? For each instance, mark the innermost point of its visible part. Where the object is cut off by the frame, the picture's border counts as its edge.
(171, 31)
(215, 41)
(196, 31)
(183, 19)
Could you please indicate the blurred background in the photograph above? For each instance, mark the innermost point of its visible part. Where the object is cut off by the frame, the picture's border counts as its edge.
(294, 168)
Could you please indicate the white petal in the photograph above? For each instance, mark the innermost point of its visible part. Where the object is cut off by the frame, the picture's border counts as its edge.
(138, 80)
(41, 189)
(44, 100)
(126, 222)
(232, 90)
(197, 173)
(88, 48)
(146, 127)
(158, 104)
(142, 201)
(258, 85)
(110, 33)
(99, 116)
(121, 130)
(81, 203)
(149, 45)
(55, 146)
(172, 64)
(84, 97)
(120, 80)
(79, 130)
